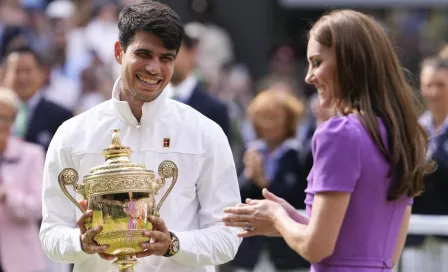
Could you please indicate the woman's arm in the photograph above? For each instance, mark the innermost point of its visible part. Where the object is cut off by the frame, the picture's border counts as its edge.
(402, 236)
(316, 240)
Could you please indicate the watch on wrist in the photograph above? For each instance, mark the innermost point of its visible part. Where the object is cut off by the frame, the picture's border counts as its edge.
(174, 246)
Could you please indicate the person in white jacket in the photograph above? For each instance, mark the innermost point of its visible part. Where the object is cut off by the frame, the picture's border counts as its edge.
(150, 35)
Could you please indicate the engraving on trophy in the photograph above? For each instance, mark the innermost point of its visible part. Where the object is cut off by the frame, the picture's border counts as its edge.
(121, 195)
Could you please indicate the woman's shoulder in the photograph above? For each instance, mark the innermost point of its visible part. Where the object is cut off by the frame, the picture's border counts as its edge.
(348, 128)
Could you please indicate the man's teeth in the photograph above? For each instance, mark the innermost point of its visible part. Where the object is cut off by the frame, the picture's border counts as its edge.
(147, 80)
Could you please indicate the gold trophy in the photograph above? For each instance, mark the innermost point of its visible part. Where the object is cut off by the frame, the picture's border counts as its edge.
(121, 195)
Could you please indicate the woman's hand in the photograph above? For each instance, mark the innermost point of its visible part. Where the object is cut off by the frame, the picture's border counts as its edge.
(256, 217)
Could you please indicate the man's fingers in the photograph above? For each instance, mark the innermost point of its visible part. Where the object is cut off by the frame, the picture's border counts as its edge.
(106, 256)
(159, 236)
(144, 253)
(82, 219)
(158, 223)
(91, 233)
(153, 247)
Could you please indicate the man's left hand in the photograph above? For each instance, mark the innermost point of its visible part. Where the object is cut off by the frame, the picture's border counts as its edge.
(161, 239)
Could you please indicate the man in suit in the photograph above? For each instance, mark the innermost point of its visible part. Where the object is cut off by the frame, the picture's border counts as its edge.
(186, 88)
(37, 119)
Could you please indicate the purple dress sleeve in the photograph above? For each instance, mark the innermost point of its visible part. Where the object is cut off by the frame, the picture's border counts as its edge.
(337, 155)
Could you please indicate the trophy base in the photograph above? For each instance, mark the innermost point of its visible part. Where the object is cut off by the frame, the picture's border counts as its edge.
(125, 263)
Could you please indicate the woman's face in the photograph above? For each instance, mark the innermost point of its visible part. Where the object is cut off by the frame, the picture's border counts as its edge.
(271, 121)
(322, 72)
(434, 88)
(7, 117)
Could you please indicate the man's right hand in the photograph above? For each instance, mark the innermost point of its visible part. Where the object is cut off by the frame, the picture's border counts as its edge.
(88, 245)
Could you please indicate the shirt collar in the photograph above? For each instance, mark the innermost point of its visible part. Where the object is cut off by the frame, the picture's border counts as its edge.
(33, 101)
(427, 121)
(183, 91)
(150, 110)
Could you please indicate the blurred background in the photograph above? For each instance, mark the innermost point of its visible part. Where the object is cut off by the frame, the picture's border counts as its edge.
(247, 59)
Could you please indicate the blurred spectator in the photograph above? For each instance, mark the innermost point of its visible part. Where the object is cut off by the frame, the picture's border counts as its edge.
(282, 70)
(272, 161)
(37, 119)
(96, 83)
(426, 253)
(21, 177)
(186, 88)
(216, 46)
(102, 32)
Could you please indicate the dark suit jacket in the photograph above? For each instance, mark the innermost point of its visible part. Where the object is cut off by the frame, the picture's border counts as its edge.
(289, 183)
(433, 200)
(46, 119)
(211, 107)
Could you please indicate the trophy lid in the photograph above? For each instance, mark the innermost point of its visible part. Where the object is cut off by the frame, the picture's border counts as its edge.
(117, 159)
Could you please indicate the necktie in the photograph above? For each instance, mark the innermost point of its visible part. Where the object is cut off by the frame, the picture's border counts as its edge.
(21, 123)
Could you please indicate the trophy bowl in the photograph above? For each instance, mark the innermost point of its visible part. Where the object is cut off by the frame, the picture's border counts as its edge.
(121, 195)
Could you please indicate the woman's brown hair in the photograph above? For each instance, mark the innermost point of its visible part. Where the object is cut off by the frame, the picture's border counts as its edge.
(372, 83)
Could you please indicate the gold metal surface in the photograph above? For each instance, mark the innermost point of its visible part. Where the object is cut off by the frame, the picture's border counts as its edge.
(121, 195)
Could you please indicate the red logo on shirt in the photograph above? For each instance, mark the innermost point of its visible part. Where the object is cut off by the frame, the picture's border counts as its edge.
(166, 142)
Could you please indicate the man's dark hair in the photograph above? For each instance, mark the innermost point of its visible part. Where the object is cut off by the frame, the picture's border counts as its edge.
(24, 50)
(153, 17)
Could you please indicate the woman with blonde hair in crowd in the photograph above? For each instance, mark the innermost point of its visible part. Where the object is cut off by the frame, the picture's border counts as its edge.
(272, 161)
(369, 161)
(21, 176)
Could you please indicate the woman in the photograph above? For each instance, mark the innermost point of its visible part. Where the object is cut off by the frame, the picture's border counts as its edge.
(428, 253)
(21, 174)
(273, 161)
(368, 163)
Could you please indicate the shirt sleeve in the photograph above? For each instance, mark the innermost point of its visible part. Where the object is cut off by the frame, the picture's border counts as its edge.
(217, 188)
(337, 156)
(59, 235)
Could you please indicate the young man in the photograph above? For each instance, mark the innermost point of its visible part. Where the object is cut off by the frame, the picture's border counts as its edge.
(150, 37)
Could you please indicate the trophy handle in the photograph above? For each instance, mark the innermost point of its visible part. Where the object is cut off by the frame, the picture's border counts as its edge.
(69, 176)
(167, 169)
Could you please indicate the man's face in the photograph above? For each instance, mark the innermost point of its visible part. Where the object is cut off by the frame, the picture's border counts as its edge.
(146, 66)
(184, 64)
(23, 74)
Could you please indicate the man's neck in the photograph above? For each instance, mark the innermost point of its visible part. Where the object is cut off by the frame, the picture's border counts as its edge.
(134, 104)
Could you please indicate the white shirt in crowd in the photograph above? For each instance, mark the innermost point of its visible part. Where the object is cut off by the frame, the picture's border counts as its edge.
(206, 184)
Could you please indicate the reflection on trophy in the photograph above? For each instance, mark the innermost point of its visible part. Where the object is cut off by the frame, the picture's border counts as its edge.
(121, 195)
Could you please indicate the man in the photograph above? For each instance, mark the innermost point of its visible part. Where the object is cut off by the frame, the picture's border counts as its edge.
(150, 37)
(37, 119)
(186, 88)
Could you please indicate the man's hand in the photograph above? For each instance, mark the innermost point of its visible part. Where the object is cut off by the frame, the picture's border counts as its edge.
(161, 239)
(88, 245)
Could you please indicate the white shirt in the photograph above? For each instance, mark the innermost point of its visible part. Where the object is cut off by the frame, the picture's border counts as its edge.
(184, 90)
(206, 184)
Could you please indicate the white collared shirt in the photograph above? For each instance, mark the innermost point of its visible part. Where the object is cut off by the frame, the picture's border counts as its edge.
(183, 91)
(206, 184)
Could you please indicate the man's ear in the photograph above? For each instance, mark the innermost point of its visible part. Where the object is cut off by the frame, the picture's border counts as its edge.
(118, 50)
